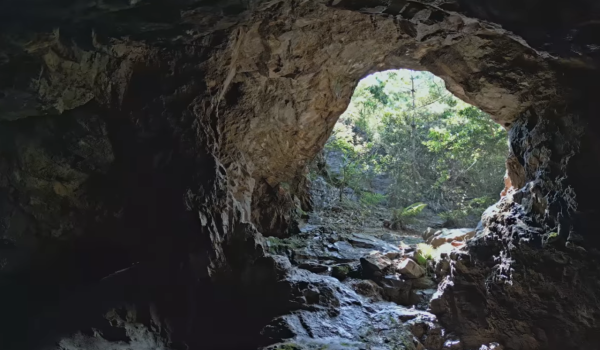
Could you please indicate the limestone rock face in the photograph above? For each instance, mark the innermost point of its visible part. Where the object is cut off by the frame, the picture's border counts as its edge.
(144, 145)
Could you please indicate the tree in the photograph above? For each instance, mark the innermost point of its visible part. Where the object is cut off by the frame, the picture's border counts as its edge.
(436, 149)
(353, 165)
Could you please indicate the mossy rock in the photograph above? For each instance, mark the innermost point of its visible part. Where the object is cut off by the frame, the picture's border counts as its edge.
(340, 272)
(282, 246)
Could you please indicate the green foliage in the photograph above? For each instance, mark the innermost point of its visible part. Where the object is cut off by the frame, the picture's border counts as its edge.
(356, 158)
(404, 216)
(442, 151)
(426, 252)
(551, 237)
(281, 246)
(423, 253)
(312, 175)
(467, 212)
(413, 210)
(341, 269)
(372, 199)
(378, 92)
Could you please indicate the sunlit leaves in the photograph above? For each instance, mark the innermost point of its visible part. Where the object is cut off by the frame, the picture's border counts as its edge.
(441, 151)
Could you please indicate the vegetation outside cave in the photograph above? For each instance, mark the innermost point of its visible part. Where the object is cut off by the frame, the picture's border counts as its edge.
(408, 152)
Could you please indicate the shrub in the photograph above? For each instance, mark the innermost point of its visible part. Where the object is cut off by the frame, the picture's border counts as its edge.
(467, 215)
(423, 253)
(426, 252)
(404, 216)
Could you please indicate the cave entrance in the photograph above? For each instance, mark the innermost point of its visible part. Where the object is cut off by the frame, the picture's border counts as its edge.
(407, 155)
(404, 177)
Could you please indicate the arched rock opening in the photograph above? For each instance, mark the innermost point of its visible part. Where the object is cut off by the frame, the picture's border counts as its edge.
(152, 138)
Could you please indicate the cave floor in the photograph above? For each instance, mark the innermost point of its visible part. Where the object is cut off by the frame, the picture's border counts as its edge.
(360, 285)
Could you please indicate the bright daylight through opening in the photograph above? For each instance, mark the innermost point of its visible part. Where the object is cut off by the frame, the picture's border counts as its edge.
(407, 155)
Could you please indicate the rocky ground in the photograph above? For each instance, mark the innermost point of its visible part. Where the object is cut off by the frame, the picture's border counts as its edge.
(351, 215)
(362, 286)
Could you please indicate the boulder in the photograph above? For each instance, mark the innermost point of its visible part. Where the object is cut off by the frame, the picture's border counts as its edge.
(393, 255)
(265, 270)
(450, 235)
(396, 289)
(329, 314)
(434, 339)
(341, 271)
(421, 298)
(367, 288)
(313, 267)
(401, 240)
(424, 283)
(317, 249)
(421, 324)
(375, 264)
(409, 268)
(311, 295)
(437, 304)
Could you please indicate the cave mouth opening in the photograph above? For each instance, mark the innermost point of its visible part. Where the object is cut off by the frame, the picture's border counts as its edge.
(406, 155)
(405, 175)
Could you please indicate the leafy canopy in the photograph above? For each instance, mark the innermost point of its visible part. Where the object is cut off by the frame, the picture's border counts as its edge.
(429, 145)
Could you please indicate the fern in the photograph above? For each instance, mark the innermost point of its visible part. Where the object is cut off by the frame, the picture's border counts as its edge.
(413, 210)
(404, 216)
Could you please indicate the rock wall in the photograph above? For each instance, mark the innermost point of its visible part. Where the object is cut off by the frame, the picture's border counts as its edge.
(144, 144)
(305, 66)
(532, 270)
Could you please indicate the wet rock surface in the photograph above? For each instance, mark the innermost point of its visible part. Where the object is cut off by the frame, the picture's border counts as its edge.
(380, 303)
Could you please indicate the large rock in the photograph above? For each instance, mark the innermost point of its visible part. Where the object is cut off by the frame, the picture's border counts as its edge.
(424, 283)
(375, 265)
(450, 235)
(396, 288)
(409, 268)
(367, 288)
(421, 298)
(342, 271)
